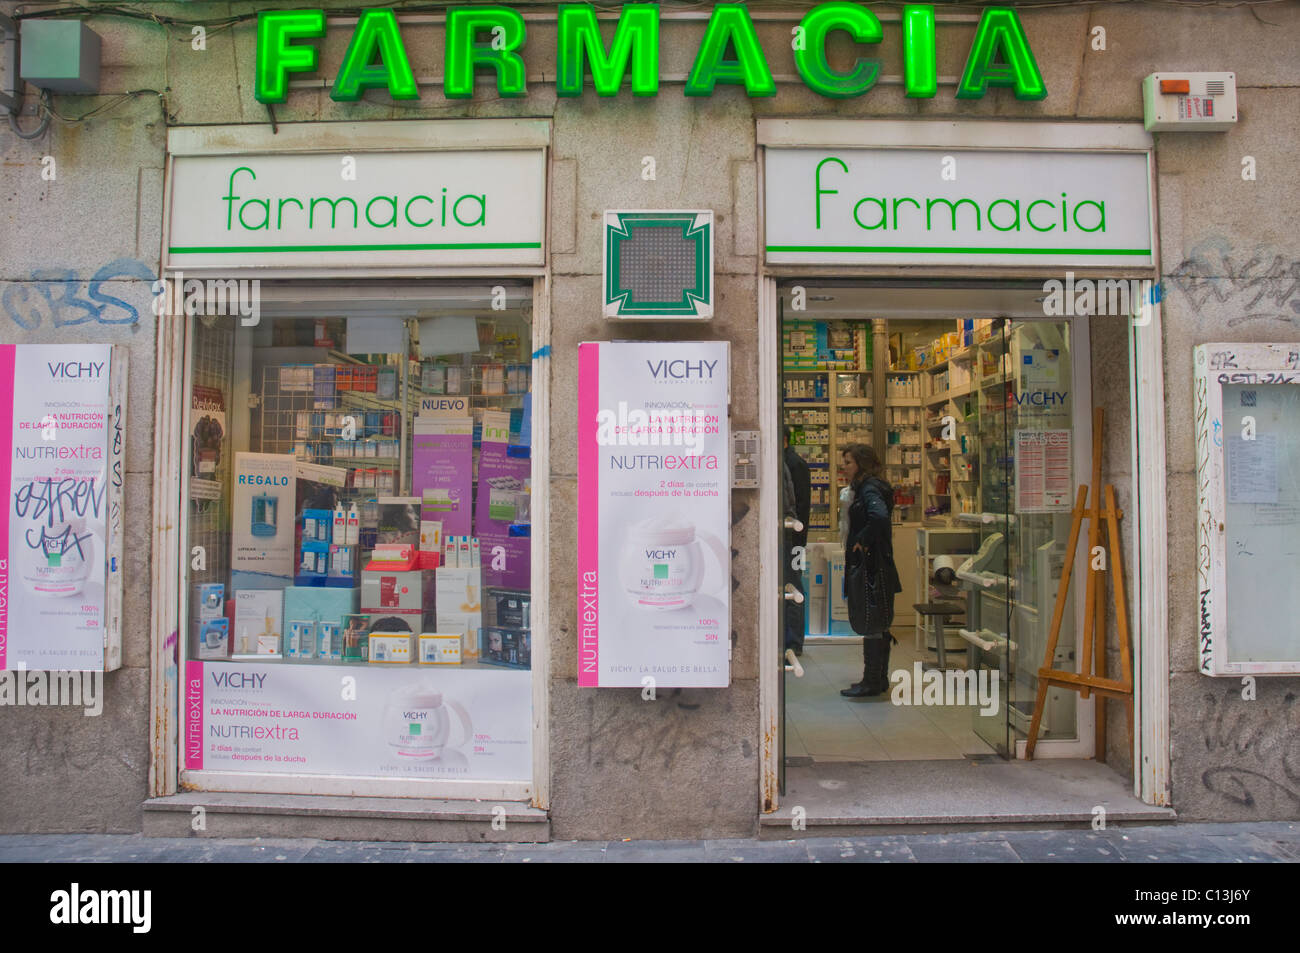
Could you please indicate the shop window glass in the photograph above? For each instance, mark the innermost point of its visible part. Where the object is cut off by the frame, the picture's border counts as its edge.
(359, 598)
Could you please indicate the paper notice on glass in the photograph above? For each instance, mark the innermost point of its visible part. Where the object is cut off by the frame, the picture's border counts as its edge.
(1040, 368)
(1252, 469)
(448, 334)
(376, 336)
(1044, 471)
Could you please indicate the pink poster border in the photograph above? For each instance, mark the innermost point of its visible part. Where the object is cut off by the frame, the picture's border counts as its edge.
(588, 515)
(8, 357)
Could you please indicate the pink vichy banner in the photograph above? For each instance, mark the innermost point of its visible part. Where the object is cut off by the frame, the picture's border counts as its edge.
(193, 740)
(654, 514)
(588, 516)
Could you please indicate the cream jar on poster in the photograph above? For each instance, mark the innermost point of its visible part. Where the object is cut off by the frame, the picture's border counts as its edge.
(59, 562)
(664, 564)
(418, 723)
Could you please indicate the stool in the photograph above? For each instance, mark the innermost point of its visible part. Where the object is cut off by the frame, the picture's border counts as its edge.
(937, 615)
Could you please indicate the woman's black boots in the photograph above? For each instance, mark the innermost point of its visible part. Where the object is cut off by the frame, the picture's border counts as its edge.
(882, 673)
(875, 667)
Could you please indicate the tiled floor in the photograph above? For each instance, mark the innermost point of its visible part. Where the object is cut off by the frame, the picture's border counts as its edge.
(823, 725)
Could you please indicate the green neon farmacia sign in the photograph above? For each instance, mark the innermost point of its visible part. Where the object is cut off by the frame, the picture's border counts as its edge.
(491, 38)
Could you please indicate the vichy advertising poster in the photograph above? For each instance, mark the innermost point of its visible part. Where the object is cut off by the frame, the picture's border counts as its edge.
(282, 718)
(61, 469)
(654, 514)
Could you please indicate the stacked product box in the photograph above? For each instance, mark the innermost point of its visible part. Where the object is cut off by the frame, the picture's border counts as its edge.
(327, 554)
(506, 637)
(210, 627)
(392, 594)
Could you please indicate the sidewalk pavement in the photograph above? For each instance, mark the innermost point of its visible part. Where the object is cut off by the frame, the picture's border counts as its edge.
(1263, 842)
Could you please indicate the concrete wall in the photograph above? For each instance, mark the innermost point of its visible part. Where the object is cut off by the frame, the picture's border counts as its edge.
(687, 764)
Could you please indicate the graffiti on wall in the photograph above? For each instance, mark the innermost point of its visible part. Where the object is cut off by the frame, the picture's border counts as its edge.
(1261, 283)
(1204, 512)
(1259, 751)
(57, 298)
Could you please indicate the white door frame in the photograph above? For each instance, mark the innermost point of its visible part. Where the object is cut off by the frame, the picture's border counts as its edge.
(1149, 623)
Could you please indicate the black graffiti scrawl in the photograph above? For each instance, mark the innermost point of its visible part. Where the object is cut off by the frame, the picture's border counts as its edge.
(1253, 752)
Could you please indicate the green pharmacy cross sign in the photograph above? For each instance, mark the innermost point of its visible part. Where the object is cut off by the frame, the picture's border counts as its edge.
(658, 265)
(489, 39)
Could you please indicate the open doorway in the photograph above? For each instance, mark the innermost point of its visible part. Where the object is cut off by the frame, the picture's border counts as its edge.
(977, 410)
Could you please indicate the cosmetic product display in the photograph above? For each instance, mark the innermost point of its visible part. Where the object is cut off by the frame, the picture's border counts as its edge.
(356, 638)
(440, 648)
(509, 647)
(257, 612)
(391, 649)
(337, 628)
(302, 639)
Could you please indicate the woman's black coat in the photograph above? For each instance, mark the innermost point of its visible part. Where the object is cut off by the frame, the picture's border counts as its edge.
(871, 527)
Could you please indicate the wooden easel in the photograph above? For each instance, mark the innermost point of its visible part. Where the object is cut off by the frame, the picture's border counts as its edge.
(1092, 676)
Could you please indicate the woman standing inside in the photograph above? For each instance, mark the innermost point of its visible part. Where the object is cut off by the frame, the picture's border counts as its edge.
(870, 577)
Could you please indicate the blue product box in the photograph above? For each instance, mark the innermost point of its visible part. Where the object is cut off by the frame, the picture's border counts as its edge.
(320, 603)
(213, 638)
(318, 526)
(209, 601)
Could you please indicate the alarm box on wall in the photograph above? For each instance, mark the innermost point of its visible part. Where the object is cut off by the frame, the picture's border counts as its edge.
(658, 265)
(63, 437)
(1189, 102)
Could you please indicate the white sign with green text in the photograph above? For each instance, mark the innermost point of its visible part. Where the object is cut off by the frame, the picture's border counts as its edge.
(389, 209)
(957, 207)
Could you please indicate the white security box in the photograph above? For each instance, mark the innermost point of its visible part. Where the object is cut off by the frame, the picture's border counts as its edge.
(1247, 425)
(1189, 102)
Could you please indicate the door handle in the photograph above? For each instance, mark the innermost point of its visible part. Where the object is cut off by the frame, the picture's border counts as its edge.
(792, 524)
(792, 663)
(792, 594)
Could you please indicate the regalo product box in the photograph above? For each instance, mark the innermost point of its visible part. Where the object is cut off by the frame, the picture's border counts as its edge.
(263, 523)
(62, 442)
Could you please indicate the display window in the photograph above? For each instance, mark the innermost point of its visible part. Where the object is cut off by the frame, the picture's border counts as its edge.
(358, 533)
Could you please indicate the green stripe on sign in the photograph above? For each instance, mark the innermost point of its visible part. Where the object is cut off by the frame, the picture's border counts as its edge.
(231, 249)
(928, 250)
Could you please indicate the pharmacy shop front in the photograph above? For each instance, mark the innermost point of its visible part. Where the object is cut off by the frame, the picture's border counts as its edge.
(912, 302)
(349, 429)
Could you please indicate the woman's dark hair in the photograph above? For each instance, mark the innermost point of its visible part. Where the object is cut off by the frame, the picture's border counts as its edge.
(869, 464)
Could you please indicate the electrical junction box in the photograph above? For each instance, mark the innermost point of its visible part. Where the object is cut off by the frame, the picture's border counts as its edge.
(1189, 102)
(59, 55)
(744, 459)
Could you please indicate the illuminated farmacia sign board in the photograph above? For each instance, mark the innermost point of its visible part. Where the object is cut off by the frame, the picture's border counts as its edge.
(492, 38)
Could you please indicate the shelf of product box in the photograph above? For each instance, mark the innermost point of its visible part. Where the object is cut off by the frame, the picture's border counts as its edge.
(935, 399)
(903, 402)
(854, 402)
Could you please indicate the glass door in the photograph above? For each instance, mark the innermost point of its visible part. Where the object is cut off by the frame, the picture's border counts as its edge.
(1019, 449)
(981, 455)
(1039, 424)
